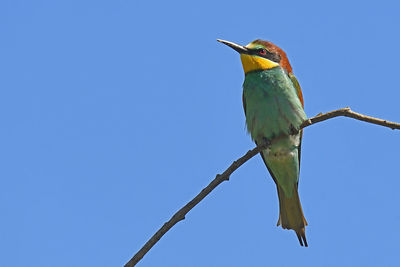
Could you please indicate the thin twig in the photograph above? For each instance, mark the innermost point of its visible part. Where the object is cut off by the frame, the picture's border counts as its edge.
(180, 214)
(347, 112)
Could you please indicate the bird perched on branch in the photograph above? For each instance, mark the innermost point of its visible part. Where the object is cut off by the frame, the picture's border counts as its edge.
(274, 109)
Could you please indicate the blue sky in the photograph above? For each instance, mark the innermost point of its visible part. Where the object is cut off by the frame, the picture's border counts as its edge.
(114, 114)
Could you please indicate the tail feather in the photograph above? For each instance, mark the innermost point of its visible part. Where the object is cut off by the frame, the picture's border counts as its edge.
(301, 235)
(291, 214)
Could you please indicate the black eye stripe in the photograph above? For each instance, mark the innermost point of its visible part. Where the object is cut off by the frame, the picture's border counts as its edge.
(271, 56)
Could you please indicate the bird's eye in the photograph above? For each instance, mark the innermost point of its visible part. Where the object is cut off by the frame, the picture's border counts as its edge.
(262, 52)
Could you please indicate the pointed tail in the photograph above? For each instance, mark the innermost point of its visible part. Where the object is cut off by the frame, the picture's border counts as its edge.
(291, 214)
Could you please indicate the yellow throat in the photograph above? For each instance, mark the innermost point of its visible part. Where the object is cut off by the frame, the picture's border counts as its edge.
(252, 62)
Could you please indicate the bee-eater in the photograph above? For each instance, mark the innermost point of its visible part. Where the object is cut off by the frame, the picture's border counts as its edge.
(274, 109)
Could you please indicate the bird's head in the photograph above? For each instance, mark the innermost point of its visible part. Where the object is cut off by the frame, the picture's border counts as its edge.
(260, 55)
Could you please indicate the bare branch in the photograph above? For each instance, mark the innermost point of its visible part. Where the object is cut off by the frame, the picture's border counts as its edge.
(347, 112)
(180, 214)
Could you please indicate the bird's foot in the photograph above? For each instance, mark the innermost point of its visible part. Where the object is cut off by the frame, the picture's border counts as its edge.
(293, 130)
(266, 141)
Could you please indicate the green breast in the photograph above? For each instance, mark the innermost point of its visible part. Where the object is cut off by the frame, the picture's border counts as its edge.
(271, 104)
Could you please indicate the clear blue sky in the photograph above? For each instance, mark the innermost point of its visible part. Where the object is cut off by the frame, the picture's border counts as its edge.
(114, 114)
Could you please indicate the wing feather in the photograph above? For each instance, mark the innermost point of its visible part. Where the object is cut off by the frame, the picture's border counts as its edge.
(297, 87)
(300, 96)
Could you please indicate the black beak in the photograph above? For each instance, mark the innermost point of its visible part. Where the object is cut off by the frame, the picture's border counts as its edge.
(238, 48)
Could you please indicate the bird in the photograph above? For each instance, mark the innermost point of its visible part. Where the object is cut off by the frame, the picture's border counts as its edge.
(274, 110)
